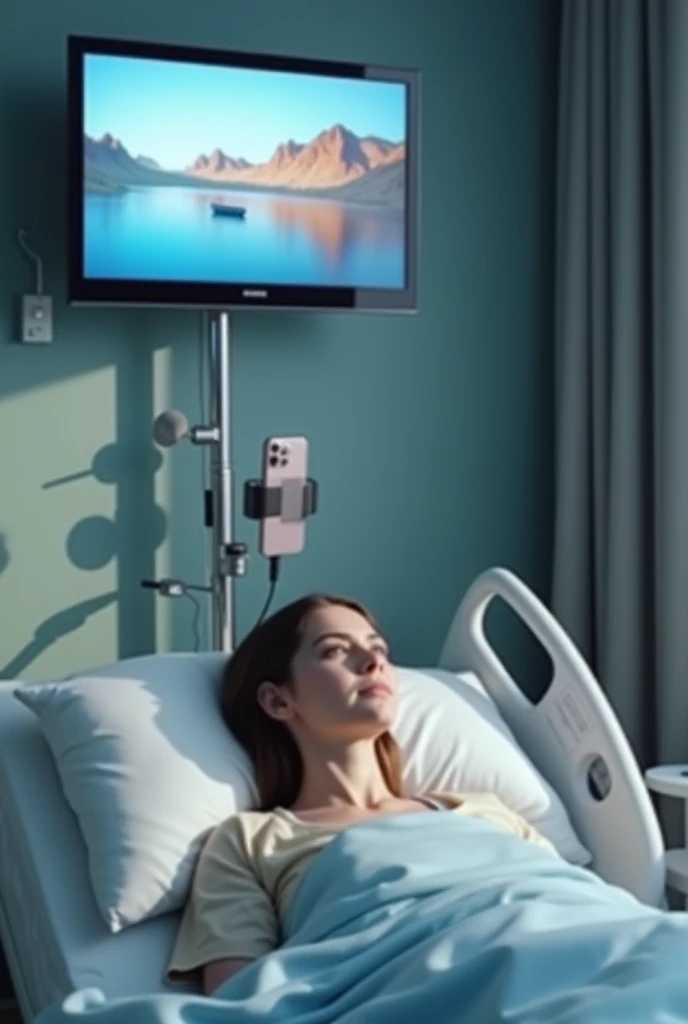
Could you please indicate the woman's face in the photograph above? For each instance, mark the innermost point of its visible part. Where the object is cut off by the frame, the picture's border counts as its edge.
(343, 686)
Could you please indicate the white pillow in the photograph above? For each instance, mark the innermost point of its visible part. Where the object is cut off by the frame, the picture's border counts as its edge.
(453, 739)
(148, 767)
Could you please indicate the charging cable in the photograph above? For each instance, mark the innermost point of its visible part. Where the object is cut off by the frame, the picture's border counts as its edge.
(273, 576)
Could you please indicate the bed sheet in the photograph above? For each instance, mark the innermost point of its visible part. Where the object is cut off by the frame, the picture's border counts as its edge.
(52, 934)
(471, 926)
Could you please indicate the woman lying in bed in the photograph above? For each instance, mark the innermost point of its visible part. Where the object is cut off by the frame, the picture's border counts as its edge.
(310, 694)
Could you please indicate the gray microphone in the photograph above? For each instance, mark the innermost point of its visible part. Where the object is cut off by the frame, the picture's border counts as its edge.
(170, 427)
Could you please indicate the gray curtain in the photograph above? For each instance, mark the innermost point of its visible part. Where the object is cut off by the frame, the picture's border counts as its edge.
(620, 568)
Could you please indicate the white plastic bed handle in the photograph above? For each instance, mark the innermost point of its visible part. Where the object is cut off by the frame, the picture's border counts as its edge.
(571, 734)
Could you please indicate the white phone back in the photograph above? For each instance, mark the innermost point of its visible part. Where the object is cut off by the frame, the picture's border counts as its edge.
(285, 461)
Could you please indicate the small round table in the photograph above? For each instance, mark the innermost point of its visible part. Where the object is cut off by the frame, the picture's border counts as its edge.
(672, 780)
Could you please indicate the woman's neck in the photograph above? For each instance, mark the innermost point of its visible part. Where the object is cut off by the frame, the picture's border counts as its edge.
(349, 776)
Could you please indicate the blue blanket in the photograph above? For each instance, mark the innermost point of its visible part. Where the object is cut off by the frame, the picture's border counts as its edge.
(445, 919)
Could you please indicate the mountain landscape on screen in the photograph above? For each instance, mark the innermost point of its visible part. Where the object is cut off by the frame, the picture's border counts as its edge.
(335, 164)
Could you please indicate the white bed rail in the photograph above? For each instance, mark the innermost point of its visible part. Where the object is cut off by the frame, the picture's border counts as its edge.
(571, 734)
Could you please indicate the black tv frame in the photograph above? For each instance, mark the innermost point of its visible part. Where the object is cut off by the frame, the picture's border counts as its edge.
(250, 294)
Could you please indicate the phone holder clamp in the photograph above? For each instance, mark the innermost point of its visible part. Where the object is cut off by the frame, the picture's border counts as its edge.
(292, 500)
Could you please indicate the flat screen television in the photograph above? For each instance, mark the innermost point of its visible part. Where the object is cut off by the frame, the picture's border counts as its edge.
(221, 179)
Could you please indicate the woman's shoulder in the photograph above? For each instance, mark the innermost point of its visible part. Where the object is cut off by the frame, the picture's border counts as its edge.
(246, 828)
(249, 820)
(240, 829)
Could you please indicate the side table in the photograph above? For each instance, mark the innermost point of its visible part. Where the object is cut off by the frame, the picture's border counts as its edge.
(672, 780)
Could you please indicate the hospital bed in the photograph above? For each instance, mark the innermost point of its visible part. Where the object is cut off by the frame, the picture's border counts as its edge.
(54, 939)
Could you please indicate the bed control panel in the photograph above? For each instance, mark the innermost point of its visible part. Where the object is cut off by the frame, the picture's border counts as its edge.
(568, 720)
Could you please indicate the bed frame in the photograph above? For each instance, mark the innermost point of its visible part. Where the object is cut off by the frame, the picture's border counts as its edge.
(571, 734)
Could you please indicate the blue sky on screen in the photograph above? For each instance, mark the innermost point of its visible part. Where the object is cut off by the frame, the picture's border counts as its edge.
(174, 111)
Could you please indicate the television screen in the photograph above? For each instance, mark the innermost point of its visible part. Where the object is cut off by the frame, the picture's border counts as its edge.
(221, 179)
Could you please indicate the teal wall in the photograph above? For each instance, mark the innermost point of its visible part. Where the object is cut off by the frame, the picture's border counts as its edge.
(431, 436)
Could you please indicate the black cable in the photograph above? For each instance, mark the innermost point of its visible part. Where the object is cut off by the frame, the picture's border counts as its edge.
(194, 622)
(273, 576)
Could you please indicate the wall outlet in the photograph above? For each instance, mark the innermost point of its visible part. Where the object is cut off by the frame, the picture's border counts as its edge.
(36, 327)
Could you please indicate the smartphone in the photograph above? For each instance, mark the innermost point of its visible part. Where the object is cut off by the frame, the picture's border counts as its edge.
(284, 466)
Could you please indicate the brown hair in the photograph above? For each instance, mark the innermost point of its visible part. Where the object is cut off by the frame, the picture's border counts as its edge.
(266, 654)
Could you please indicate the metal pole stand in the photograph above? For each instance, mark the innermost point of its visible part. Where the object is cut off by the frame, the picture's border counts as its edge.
(229, 558)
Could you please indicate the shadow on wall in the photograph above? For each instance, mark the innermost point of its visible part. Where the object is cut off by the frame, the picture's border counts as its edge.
(53, 629)
(138, 525)
(95, 541)
(4, 554)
